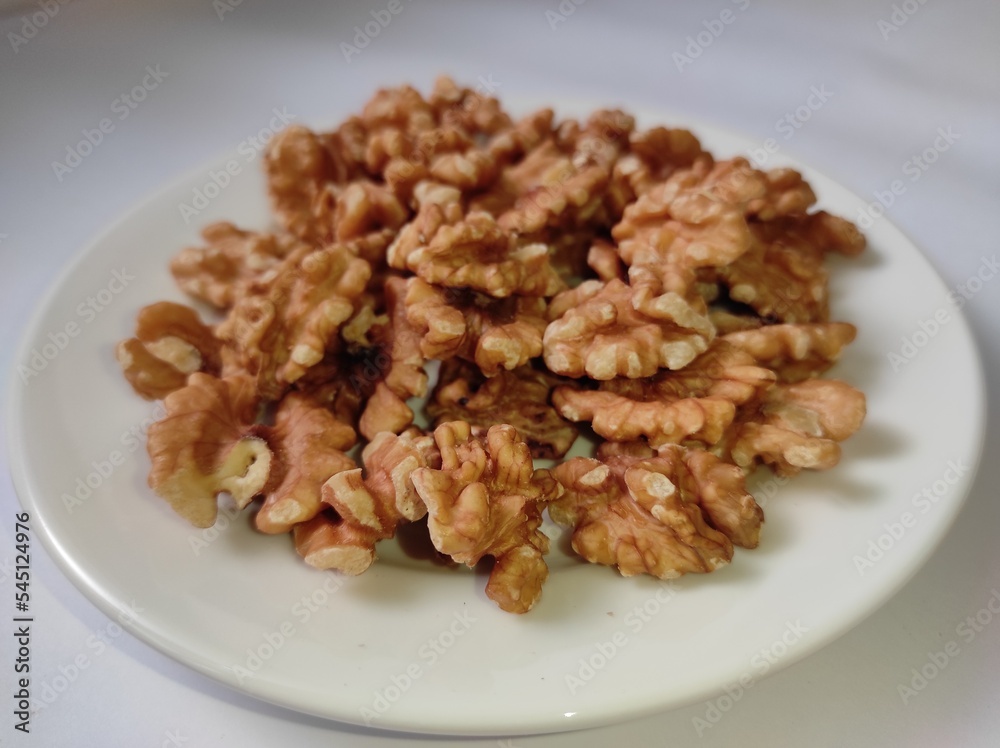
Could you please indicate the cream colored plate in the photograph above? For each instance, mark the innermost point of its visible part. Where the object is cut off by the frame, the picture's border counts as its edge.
(413, 646)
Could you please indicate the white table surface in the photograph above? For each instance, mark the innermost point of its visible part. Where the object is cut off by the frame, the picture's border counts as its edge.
(889, 96)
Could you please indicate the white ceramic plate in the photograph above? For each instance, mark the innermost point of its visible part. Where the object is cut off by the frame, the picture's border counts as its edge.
(418, 647)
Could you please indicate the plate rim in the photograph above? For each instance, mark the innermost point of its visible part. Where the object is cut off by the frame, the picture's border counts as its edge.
(93, 590)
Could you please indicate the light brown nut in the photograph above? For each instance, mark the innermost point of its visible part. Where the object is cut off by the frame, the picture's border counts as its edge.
(696, 218)
(382, 495)
(603, 258)
(726, 321)
(831, 233)
(563, 180)
(495, 333)
(478, 254)
(655, 154)
(697, 402)
(469, 110)
(485, 500)
(232, 260)
(170, 343)
(642, 515)
(363, 208)
(613, 329)
(437, 205)
(206, 444)
(781, 276)
(400, 372)
(788, 194)
(519, 397)
(275, 335)
(550, 192)
(472, 170)
(509, 145)
(310, 444)
(325, 542)
(300, 167)
(366, 506)
(795, 352)
(796, 426)
(402, 107)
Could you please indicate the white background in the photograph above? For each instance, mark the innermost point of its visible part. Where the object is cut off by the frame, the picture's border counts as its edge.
(940, 69)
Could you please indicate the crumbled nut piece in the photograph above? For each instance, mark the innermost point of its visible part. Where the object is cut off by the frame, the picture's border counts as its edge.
(301, 166)
(693, 219)
(563, 182)
(363, 208)
(310, 444)
(655, 154)
(723, 496)
(402, 376)
(604, 260)
(726, 322)
(495, 333)
(831, 233)
(641, 515)
(485, 500)
(795, 352)
(233, 259)
(510, 145)
(697, 402)
(206, 445)
(276, 334)
(170, 343)
(797, 426)
(478, 254)
(382, 495)
(326, 542)
(611, 330)
(437, 205)
(367, 506)
(787, 194)
(402, 107)
(470, 111)
(344, 381)
(720, 486)
(781, 277)
(519, 397)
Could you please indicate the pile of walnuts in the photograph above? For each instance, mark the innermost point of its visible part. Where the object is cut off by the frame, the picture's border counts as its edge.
(563, 273)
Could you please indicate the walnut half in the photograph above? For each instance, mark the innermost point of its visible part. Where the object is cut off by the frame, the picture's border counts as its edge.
(668, 515)
(485, 500)
(206, 445)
